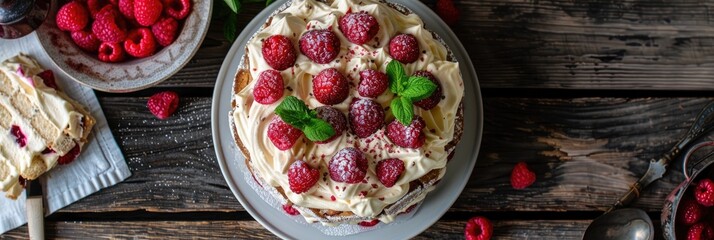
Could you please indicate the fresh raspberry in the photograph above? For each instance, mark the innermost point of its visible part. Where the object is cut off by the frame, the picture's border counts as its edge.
(96, 6)
(282, 134)
(359, 27)
(269, 88)
(404, 48)
(320, 46)
(290, 210)
(126, 7)
(140, 43)
(48, 78)
(410, 136)
(368, 223)
(302, 177)
(478, 228)
(701, 231)
(433, 100)
(389, 170)
(705, 192)
(366, 117)
(70, 156)
(279, 52)
(86, 40)
(348, 166)
(72, 17)
(20, 137)
(335, 118)
(689, 212)
(111, 52)
(146, 12)
(47, 151)
(522, 176)
(165, 30)
(163, 104)
(447, 11)
(109, 26)
(178, 9)
(372, 83)
(330, 87)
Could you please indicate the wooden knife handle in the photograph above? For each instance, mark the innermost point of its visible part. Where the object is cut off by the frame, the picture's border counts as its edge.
(35, 218)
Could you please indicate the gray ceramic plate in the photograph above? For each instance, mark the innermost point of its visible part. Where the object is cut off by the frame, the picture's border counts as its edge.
(436, 203)
(132, 75)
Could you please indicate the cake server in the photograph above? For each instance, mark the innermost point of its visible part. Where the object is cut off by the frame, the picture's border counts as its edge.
(35, 210)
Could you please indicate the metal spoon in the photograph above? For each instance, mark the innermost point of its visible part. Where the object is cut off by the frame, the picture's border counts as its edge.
(20, 17)
(634, 223)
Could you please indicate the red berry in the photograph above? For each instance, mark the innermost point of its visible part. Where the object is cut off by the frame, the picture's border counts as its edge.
(359, 27)
(372, 83)
(302, 177)
(433, 100)
(73, 16)
(705, 192)
(282, 134)
(389, 170)
(522, 176)
(404, 48)
(478, 228)
(140, 43)
(689, 212)
(22, 182)
(126, 7)
(165, 30)
(147, 12)
(69, 156)
(279, 52)
(410, 136)
(447, 11)
(700, 231)
(163, 104)
(290, 210)
(335, 118)
(366, 117)
(20, 137)
(48, 78)
(86, 40)
(348, 166)
(96, 6)
(320, 46)
(109, 26)
(368, 223)
(111, 52)
(269, 87)
(178, 9)
(330, 87)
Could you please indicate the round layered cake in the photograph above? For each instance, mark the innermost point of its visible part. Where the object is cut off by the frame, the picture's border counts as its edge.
(349, 109)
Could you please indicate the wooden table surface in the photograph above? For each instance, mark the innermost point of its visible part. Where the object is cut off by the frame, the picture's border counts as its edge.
(586, 92)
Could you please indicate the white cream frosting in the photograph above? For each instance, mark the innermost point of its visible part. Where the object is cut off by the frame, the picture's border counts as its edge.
(251, 118)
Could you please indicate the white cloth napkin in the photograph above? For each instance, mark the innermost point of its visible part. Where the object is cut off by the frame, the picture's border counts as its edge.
(100, 165)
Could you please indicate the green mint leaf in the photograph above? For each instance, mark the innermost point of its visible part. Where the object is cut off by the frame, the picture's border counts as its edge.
(234, 5)
(396, 75)
(293, 111)
(418, 88)
(230, 27)
(318, 130)
(268, 2)
(402, 109)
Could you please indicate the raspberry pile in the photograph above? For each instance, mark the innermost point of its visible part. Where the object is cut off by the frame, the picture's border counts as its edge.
(122, 29)
(695, 213)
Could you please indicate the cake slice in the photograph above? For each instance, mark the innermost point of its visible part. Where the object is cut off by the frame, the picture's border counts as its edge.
(40, 126)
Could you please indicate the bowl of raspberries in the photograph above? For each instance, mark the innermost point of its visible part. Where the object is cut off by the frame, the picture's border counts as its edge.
(124, 45)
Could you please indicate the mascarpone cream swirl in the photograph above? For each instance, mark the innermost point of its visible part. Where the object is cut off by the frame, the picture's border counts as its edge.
(369, 198)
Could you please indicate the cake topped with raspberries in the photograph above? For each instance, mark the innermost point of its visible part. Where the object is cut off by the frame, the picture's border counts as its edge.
(348, 109)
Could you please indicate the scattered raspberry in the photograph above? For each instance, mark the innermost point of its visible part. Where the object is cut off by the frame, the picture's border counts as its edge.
(705, 192)
(433, 100)
(389, 170)
(146, 12)
(140, 43)
(522, 176)
(47, 151)
(282, 134)
(109, 26)
(368, 223)
(86, 40)
(689, 212)
(700, 231)
(111, 52)
(348, 166)
(163, 104)
(330, 87)
(72, 17)
(279, 52)
(335, 118)
(366, 117)
(178, 9)
(126, 7)
(404, 48)
(165, 30)
(48, 78)
(269, 87)
(96, 6)
(447, 11)
(70, 156)
(302, 177)
(359, 27)
(478, 228)
(372, 83)
(20, 137)
(290, 210)
(410, 136)
(320, 46)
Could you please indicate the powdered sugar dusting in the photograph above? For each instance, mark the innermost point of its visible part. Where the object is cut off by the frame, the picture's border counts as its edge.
(349, 165)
